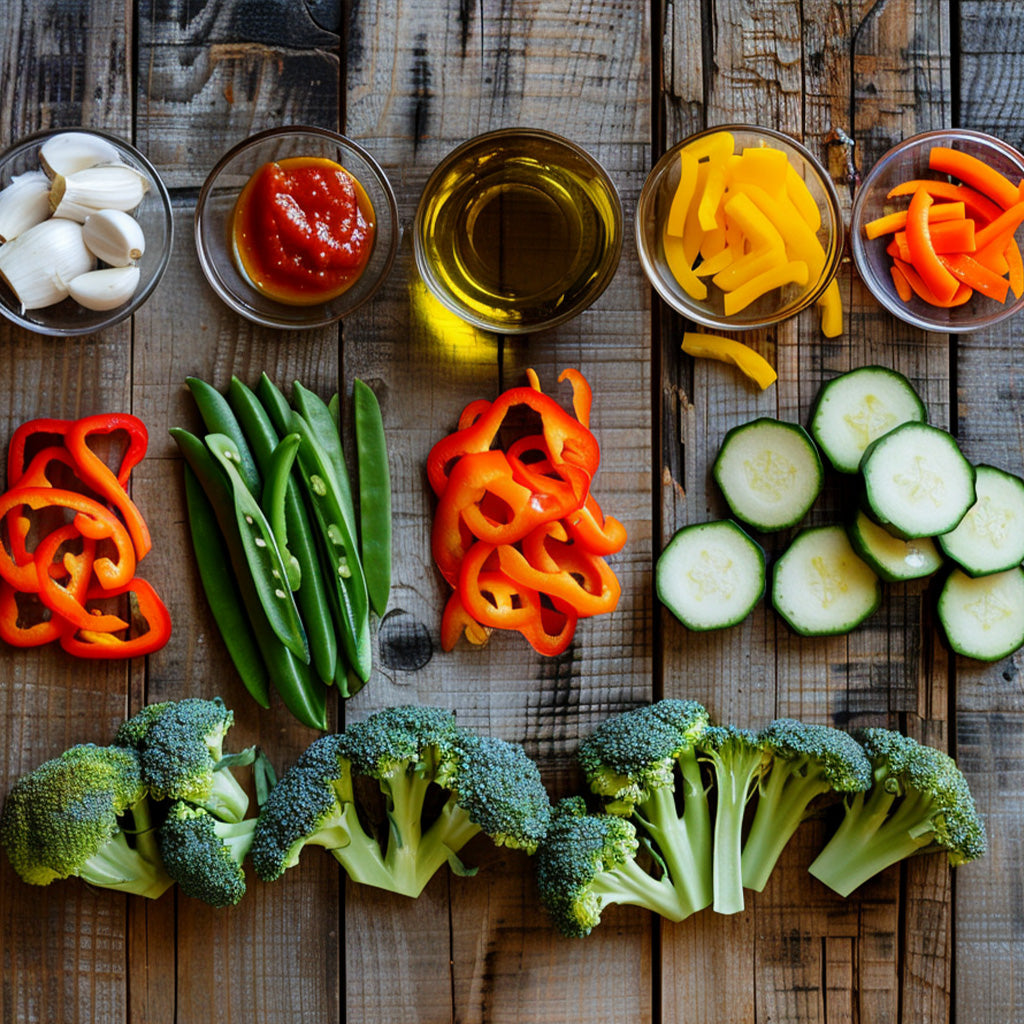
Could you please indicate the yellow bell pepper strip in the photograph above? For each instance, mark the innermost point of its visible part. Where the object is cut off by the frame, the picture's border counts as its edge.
(729, 350)
(975, 173)
(764, 166)
(715, 264)
(744, 269)
(711, 197)
(715, 146)
(758, 228)
(792, 272)
(831, 306)
(800, 196)
(681, 269)
(684, 194)
(940, 282)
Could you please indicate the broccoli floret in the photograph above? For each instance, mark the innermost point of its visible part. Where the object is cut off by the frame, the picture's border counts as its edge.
(413, 753)
(738, 759)
(644, 764)
(85, 813)
(180, 746)
(204, 854)
(808, 761)
(588, 861)
(918, 802)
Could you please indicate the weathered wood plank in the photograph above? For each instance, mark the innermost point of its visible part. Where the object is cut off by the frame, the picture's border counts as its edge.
(420, 80)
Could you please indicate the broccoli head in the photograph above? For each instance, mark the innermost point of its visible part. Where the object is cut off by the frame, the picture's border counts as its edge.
(180, 746)
(738, 759)
(918, 802)
(644, 764)
(204, 854)
(441, 784)
(589, 861)
(808, 761)
(85, 813)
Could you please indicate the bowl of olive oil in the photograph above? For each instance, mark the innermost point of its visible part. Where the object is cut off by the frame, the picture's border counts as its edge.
(518, 230)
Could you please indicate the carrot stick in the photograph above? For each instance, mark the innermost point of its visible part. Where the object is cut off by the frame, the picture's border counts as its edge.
(1016, 269)
(948, 236)
(922, 253)
(891, 222)
(974, 172)
(903, 289)
(913, 278)
(980, 206)
(1003, 226)
(976, 275)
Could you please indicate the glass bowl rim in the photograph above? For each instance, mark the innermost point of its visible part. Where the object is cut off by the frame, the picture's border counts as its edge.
(148, 287)
(693, 312)
(882, 295)
(268, 134)
(596, 288)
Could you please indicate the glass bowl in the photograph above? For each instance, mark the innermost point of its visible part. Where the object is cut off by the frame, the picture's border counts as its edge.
(518, 230)
(909, 161)
(215, 211)
(68, 318)
(775, 305)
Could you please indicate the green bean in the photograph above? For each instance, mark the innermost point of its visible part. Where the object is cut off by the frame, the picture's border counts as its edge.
(222, 593)
(311, 596)
(339, 544)
(219, 419)
(275, 491)
(266, 566)
(374, 496)
(304, 696)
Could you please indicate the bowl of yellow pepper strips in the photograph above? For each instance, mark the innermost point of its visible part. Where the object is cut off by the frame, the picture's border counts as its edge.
(739, 227)
(934, 230)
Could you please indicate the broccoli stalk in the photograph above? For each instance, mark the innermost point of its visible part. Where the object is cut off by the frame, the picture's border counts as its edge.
(808, 761)
(919, 801)
(738, 759)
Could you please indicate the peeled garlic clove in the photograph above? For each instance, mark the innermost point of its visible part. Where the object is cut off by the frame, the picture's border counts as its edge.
(40, 261)
(110, 187)
(70, 152)
(114, 237)
(24, 203)
(105, 289)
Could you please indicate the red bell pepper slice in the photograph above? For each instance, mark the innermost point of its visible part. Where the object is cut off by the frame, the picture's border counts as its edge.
(19, 441)
(93, 643)
(582, 395)
(34, 634)
(95, 472)
(455, 622)
(551, 632)
(490, 596)
(591, 529)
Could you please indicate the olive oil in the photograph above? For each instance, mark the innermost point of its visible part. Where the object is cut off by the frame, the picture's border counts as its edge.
(518, 230)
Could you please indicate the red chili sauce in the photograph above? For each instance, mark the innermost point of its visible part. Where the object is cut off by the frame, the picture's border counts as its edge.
(303, 230)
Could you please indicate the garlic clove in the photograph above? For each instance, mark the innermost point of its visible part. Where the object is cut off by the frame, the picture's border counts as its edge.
(40, 262)
(104, 289)
(110, 187)
(114, 237)
(23, 203)
(70, 152)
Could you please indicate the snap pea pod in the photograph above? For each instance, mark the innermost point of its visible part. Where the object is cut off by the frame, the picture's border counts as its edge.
(374, 495)
(334, 408)
(219, 418)
(339, 545)
(315, 411)
(222, 593)
(301, 693)
(266, 566)
(311, 596)
(275, 491)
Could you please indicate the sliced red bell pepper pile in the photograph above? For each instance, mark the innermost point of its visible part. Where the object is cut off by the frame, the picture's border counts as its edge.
(71, 540)
(957, 235)
(518, 533)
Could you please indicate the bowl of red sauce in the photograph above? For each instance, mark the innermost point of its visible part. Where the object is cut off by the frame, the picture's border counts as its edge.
(296, 227)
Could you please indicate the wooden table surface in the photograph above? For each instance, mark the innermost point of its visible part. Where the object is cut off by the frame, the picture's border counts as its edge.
(410, 79)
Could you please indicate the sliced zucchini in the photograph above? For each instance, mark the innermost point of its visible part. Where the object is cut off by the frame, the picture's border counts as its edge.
(859, 407)
(983, 617)
(916, 481)
(711, 575)
(990, 538)
(893, 558)
(769, 472)
(821, 587)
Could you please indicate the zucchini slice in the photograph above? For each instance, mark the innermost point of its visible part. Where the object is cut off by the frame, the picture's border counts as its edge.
(859, 407)
(820, 585)
(983, 617)
(711, 575)
(892, 558)
(769, 472)
(917, 481)
(990, 538)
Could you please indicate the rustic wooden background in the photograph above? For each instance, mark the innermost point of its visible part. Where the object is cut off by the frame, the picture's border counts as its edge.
(410, 79)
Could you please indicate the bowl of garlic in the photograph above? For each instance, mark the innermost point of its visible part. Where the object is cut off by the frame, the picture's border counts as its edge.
(85, 231)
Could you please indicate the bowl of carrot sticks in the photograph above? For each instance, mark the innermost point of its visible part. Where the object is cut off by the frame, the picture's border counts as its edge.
(936, 230)
(739, 227)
